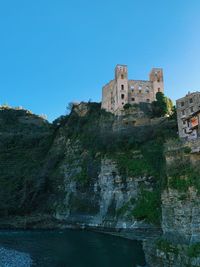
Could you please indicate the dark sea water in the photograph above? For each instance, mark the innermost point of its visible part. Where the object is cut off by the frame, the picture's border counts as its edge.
(68, 249)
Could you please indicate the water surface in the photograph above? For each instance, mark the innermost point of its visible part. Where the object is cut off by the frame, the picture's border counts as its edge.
(73, 249)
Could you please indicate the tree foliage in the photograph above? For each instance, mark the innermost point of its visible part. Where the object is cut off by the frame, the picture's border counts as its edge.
(162, 106)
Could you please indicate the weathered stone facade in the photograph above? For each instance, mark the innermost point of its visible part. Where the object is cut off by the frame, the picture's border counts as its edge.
(188, 115)
(121, 91)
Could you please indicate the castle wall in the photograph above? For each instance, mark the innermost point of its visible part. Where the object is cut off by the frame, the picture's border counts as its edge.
(107, 96)
(140, 91)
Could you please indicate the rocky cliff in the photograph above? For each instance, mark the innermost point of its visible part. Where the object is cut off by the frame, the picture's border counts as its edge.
(180, 201)
(109, 177)
(88, 167)
(91, 169)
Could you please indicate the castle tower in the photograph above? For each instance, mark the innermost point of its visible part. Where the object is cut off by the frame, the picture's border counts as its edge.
(156, 77)
(121, 79)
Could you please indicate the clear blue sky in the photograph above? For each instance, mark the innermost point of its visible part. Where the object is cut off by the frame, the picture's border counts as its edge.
(55, 52)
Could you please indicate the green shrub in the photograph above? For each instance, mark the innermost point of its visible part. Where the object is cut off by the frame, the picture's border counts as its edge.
(148, 207)
(194, 250)
(127, 106)
(187, 150)
(183, 175)
(82, 177)
(166, 246)
(178, 183)
(133, 166)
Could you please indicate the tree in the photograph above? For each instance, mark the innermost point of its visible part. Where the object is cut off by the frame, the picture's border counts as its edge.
(170, 106)
(162, 106)
(127, 106)
(173, 115)
(70, 107)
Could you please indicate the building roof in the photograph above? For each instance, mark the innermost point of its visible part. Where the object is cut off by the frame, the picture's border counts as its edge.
(188, 95)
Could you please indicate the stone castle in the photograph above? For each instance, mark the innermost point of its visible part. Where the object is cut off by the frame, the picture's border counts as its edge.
(121, 90)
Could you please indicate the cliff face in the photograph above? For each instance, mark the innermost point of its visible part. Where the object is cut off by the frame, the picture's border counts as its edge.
(181, 199)
(105, 202)
(180, 222)
(87, 169)
(106, 179)
(91, 169)
(181, 216)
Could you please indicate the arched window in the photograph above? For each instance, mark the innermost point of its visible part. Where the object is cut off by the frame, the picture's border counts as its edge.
(122, 87)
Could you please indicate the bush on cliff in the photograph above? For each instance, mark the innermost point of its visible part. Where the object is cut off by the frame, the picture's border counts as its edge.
(194, 250)
(148, 207)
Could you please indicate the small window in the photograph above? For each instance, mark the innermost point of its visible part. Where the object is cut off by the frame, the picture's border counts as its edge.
(183, 112)
(192, 109)
(140, 91)
(122, 103)
(122, 76)
(182, 104)
(122, 96)
(147, 91)
(184, 122)
(122, 87)
(191, 100)
(132, 99)
(148, 100)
